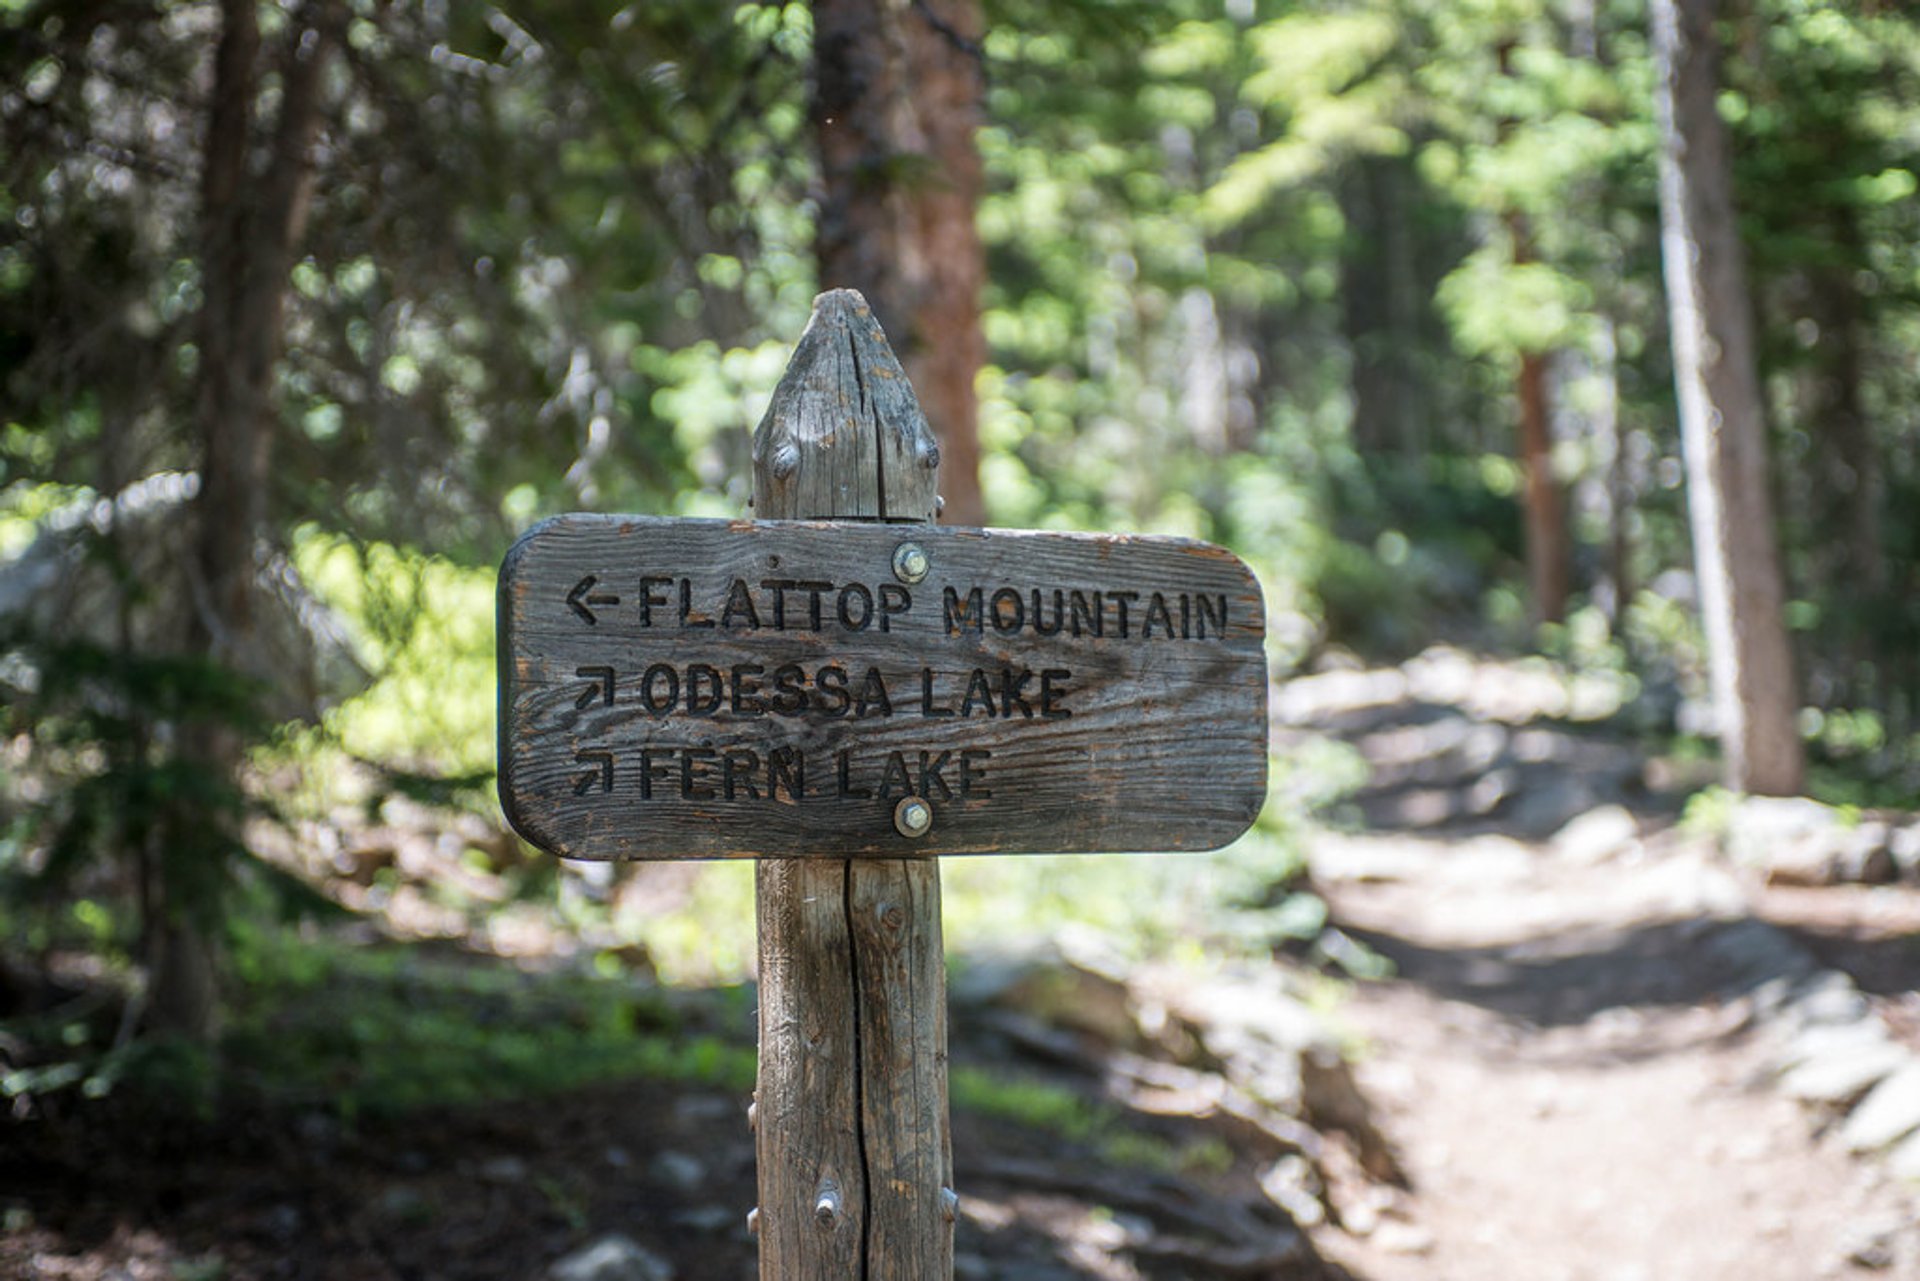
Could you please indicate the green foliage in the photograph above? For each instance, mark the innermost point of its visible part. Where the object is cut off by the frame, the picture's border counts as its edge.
(108, 786)
(1102, 1127)
(424, 628)
(1709, 813)
(375, 1031)
(366, 1032)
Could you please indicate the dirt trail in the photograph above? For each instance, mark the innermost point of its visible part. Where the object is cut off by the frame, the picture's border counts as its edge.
(1577, 1053)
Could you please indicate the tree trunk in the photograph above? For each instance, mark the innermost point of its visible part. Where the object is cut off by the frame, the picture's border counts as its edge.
(249, 226)
(1849, 486)
(898, 93)
(1549, 553)
(1722, 425)
(1380, 291)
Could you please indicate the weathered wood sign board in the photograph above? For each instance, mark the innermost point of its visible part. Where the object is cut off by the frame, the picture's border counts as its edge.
(690, 688)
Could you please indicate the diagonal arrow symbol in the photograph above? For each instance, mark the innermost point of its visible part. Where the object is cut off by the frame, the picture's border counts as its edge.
(578, 599)
(603, 772)
(602, 687)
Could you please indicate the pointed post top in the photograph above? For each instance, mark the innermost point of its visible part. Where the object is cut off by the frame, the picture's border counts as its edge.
(844, 437)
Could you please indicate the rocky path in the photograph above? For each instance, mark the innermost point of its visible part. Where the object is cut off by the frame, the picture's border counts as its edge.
(1598, 1056)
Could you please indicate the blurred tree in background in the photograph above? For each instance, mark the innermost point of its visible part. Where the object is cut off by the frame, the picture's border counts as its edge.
(1721, 417)
(305, 310)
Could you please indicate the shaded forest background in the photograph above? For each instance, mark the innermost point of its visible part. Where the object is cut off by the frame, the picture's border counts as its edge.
(306, 311)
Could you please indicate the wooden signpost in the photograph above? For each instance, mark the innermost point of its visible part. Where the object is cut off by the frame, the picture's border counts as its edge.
(841, 689)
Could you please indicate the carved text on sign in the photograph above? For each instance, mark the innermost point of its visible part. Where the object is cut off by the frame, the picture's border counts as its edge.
(708, 688)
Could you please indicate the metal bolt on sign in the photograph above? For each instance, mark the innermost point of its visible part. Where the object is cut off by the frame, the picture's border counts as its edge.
(910, 563)
(912, 817)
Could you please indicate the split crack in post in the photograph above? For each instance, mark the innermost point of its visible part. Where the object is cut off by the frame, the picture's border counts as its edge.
(859, 1067)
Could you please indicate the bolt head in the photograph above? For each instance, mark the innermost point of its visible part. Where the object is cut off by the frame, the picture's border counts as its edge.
(913, 817)
(910, 562)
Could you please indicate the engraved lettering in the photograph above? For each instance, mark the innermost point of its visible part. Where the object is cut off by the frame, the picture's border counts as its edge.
(833, 700)
(979, 691)
(1002, 620)
(1120, 601)
(648, 600)
(894, 600)
(813, 590)
(845, 783)
(691, 758)
(740, 604)
(855, 592)
(659, 706)
(687, 618)
(1012, 692)
(736, 772)
(789, 690)
(744, 690)
(1049, 691)
(786, 765)
(930, 778)
(602, 687)
(896, 770)
(1157, 612)
(650, 772)
(1186, 616)
(696, 673)
(971, 774)
(926, 696)
(778, 586)
(1089, 612)
(962, 615)
(578, 599)
(873, 693)
(601, 773)
(1210, 613)
(1040, 627)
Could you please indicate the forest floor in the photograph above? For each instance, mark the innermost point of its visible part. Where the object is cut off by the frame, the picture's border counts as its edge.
(1568, 1069)
(1578, 1054)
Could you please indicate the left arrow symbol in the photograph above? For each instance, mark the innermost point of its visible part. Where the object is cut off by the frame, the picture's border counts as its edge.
(603, 761)
(583, 596)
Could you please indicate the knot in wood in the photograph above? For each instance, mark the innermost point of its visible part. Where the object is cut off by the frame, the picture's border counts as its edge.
(786, 460)
(893, 917)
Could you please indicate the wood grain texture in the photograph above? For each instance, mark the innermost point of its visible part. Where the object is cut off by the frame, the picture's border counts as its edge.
(844, 436)
(807, 1100)
(665, 696)
(901, 991)
(853, 1016)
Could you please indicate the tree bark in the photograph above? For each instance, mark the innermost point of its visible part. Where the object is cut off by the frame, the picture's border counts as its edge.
(898, 94)
(1380, 290)
(1721, 419)
(250, 225)
(1549, 551)
(1849, 484)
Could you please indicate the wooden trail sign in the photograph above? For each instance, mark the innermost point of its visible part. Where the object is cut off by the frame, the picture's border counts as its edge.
(680, 689)
(848, 687)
